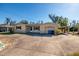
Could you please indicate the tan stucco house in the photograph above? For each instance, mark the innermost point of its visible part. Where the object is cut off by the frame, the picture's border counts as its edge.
(24, 28)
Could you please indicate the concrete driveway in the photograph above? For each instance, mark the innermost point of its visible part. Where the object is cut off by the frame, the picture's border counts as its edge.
(26, 45)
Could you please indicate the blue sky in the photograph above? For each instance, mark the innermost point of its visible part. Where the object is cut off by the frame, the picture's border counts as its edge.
(36, 12)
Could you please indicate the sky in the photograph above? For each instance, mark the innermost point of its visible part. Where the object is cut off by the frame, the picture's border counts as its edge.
(37, 11)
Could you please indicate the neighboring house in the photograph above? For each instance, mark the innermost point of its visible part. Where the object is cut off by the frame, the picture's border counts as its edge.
(24, 28)
(6, 28)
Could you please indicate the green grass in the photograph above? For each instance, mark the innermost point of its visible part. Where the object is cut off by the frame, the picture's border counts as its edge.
(6, 33)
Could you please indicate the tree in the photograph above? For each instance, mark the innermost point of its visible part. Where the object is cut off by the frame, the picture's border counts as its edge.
(63, 22)
(73, 25)
(77, 26)
(38, 22)
(32, 22)
(12, 22)
(60, 20)
(53, 18)
(7, 21)
(24, 22)
(42, 22)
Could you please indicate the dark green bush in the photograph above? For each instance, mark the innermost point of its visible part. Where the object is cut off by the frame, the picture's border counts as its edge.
(73, 29)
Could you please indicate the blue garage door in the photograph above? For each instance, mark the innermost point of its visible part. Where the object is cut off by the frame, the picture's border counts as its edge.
(51, 32)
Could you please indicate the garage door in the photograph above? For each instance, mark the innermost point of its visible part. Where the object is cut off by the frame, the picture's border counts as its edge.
(51, 32)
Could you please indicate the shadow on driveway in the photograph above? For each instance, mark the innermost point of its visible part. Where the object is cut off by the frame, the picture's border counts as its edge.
(39, 34)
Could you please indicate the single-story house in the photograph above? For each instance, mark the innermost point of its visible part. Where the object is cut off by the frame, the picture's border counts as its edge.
(6, 28)
(24, 28)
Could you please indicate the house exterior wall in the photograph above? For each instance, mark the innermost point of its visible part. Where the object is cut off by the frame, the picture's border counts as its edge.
(45, 27)
(32, 27)
(28, 28)
(22, 30)
(6, 28)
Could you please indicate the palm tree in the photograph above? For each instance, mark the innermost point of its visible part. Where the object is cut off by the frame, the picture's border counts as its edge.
(53, 18)
(7, 21)
(63, 22)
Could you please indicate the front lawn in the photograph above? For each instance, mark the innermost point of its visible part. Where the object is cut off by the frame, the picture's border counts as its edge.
(5, 33)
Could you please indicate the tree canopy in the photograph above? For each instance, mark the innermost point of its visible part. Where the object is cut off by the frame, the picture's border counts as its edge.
(59, 19)
(53, 18)
(9, 21)
(24, 22)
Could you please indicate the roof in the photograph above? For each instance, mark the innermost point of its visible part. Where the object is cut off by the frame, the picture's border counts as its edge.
(4, 25)
(19, 24)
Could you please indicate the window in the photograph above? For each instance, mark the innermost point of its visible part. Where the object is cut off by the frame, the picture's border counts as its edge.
(37, 28)
(18, 27)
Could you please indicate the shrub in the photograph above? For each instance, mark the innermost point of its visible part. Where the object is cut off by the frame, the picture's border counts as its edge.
(73, 29)
(58, 31)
